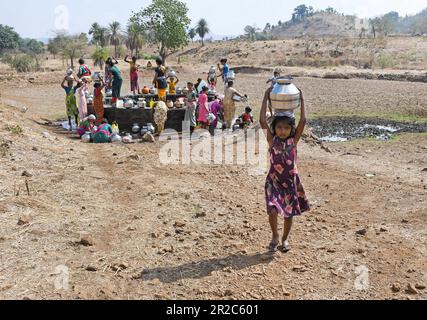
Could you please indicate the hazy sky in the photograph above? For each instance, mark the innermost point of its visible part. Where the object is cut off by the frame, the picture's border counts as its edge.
(38, 19)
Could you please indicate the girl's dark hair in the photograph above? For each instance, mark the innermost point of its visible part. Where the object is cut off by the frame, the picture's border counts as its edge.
(230, 83)
(97, 85)
(159, 61)
(205, 89)
(81, 61)
(288, 120)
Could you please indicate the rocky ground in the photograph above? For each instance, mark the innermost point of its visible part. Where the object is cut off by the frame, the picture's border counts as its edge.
(122, 226)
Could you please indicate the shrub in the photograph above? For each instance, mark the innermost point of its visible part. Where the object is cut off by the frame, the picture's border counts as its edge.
(385, 60)
(150, 57)
(22, 63)
(17, 129)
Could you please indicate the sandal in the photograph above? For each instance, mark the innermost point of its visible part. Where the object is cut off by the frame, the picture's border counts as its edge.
(286, 247)
(273, 247)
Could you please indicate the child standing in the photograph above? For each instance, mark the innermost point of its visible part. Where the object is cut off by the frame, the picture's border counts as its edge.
(247, 118)
(212, 78)
(134, 77)
(203, 108)
(273, 79)
(70, 101)
(172, 83)
(284, 192)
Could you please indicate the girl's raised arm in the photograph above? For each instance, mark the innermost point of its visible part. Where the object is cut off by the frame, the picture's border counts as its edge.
(263, 118)
(302, 121)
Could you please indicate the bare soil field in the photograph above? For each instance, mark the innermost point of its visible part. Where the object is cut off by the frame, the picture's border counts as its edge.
(126, 227)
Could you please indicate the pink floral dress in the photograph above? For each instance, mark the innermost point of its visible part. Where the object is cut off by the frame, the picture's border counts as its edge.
(283, 189)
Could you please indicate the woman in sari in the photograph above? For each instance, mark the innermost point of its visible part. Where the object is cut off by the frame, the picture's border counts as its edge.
(98, 102)
(116, 81)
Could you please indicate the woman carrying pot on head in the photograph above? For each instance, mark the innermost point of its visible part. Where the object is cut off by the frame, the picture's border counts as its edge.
(230, 104)
(160, 80)
(116, 81)
(107, 77)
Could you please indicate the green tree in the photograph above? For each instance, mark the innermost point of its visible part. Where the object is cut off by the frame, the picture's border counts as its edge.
(9, 38)
(99, 35)
(56, 44)
(166, 23)
(375, 25)
(134, 39)
(331, 10)
(389, 22)
(53, 48)
(250, 32)
(99, 56)
(115, 29)
(72, 47)
(300, 12)
(202, 29)
(31, 46)
(192, 34)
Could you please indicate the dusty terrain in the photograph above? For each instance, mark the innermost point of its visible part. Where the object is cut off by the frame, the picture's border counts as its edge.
(200, 232)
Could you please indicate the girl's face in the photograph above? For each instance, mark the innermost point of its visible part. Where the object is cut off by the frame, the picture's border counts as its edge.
(283, 130)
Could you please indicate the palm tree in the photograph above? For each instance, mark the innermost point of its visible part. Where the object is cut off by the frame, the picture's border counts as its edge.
(191, 34)
(99, 57)
(115, 35)
(202, 29)
(99, 35)
(134, 39)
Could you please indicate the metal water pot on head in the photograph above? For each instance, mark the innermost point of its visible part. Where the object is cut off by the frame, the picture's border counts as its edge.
(285, 96)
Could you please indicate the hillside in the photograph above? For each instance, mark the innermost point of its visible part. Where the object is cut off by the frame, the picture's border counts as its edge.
(319, 25)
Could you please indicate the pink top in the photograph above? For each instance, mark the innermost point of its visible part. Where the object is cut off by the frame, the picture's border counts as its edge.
(203, 107)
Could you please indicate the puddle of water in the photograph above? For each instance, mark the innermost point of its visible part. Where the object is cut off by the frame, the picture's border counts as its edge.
(383, 128)
(341, 129)
(66, 126)
(333, 139)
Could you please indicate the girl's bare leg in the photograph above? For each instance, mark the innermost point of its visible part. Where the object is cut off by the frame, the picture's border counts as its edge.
(286, 231)
(272, 217)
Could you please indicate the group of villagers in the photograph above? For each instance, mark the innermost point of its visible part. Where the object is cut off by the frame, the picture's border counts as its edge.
(199, 111)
